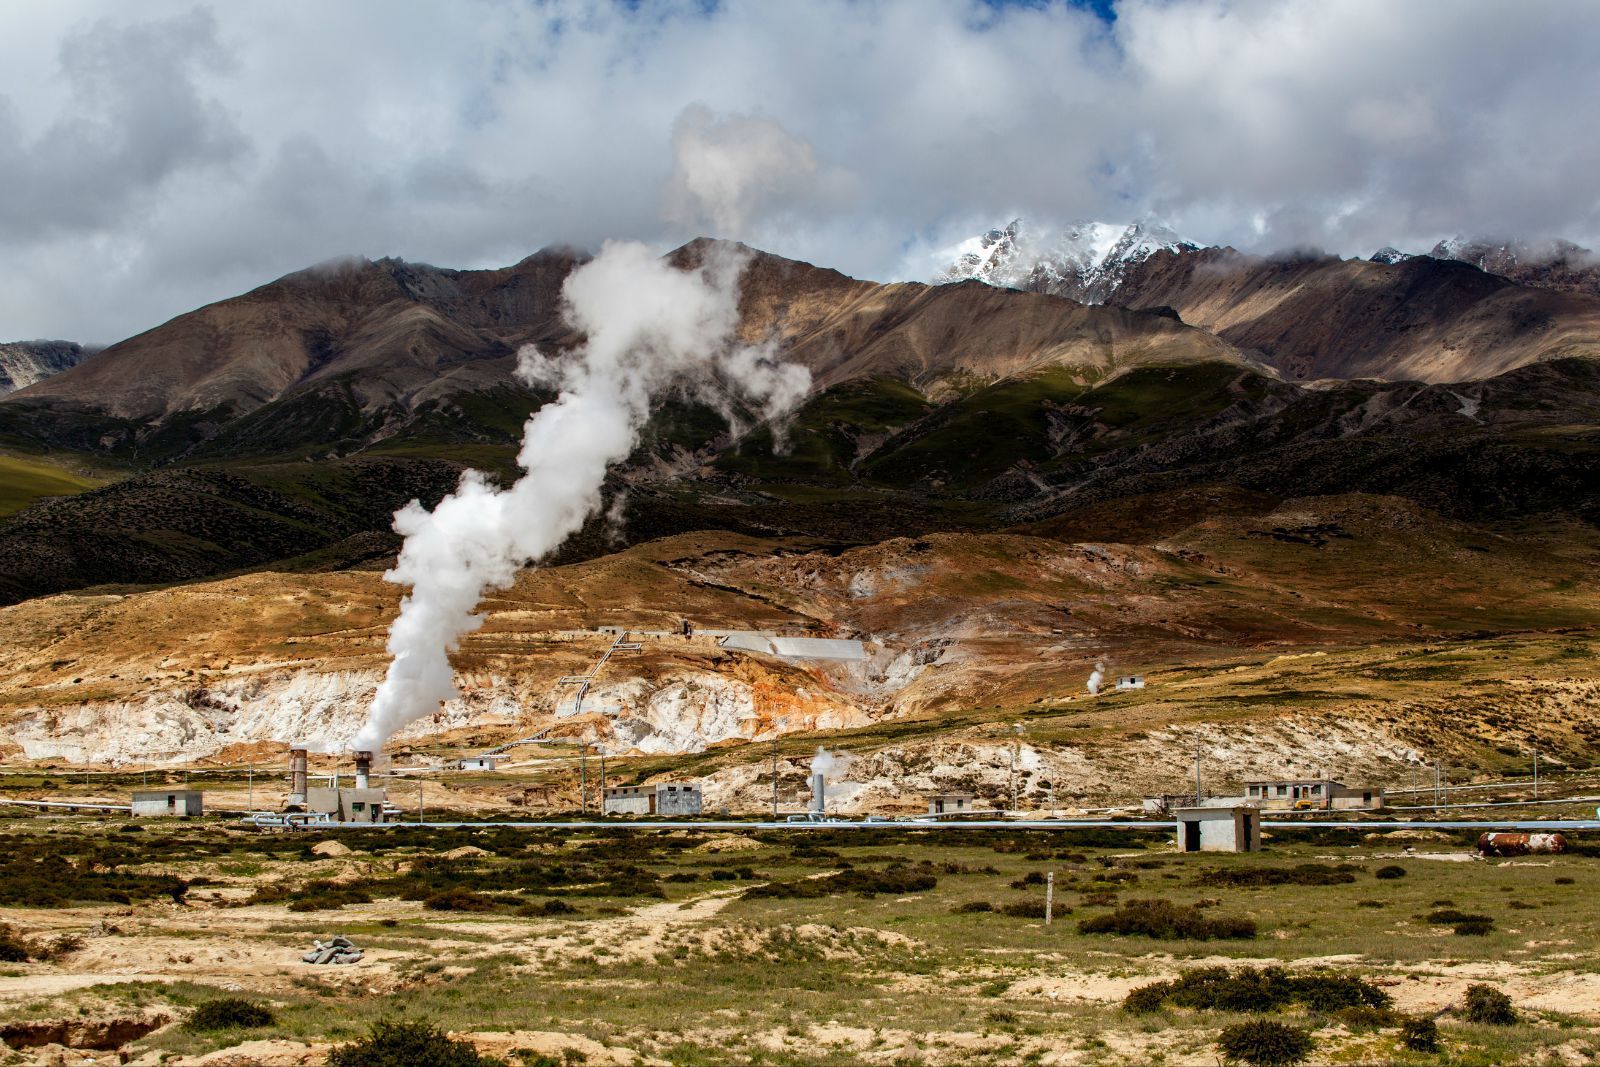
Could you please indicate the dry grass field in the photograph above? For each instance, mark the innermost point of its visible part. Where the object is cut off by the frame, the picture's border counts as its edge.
(884, 947)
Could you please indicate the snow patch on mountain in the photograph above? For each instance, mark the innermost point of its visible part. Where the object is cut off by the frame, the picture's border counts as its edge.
(1084, 261)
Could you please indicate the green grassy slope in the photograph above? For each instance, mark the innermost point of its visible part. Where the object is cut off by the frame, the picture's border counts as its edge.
(25, 479)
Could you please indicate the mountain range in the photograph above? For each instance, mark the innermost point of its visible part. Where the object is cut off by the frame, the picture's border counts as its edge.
(1124, 382)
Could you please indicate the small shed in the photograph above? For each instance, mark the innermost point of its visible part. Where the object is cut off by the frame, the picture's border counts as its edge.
(183, 802)
(1236, 829)
(660, 798)
(1131, 681)
(949, 803)
(477, 763)
(348, 805)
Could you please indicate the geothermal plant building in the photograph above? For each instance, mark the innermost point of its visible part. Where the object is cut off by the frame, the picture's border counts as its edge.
(156, 802)
(1313, 793)
(361, 804)
(1236, 829)
(661, 798)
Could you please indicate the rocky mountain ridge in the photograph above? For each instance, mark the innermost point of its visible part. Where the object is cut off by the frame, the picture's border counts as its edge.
(1083, 261)
(25, 363)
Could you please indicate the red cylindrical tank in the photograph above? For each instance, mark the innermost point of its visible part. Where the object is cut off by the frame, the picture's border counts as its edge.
(1520, 844)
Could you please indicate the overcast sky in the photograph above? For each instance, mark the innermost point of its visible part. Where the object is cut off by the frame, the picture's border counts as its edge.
(159, 155)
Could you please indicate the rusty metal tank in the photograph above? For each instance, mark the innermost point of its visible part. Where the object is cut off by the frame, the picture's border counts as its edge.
(1520, 844)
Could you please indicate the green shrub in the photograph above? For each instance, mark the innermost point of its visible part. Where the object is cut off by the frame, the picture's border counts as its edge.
(1256, 877)
(1146, 999)
(459, 900)
(546, 908)
(1361, 1017)
(1486, 1004)
(896, 879)
(1390, 872)
(972, 907)
(1466, 924)
(1024, 909)
(396, 1043)
(228, 1013)
(1166, 921)
(1265, 989)
(1262, 1043)
(1420, 1034)
(63, 945)
(12, 948)
(319, 894)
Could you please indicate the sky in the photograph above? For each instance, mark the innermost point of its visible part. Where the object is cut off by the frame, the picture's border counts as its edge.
(160, 155)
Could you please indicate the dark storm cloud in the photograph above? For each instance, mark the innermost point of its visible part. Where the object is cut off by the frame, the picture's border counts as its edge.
(153, 157)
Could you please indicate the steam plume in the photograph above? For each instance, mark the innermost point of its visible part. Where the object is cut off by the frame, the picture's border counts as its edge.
(1097, 676)
(649, 327)
(829, 764)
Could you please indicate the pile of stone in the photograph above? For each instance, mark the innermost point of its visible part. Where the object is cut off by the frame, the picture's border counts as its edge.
(338, 949)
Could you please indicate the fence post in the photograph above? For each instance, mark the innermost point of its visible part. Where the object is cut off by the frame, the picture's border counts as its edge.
(1049, 895)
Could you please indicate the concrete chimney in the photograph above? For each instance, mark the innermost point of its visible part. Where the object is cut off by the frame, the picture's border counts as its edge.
(819, 793)
(363, 770)
(297, 776)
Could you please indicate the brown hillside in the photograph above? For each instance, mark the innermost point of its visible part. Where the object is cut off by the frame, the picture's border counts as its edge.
(1323, 317)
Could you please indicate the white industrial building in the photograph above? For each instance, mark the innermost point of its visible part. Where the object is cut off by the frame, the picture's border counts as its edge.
(1236, 829)
(177, 802)
(949, 803)
(661, 798)
(1311, 794)
(477, 763)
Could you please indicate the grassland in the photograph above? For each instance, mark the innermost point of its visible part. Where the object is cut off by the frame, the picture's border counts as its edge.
(24, 479)
(677, 947)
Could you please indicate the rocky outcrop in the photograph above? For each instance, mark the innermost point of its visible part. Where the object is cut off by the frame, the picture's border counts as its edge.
(23, 363)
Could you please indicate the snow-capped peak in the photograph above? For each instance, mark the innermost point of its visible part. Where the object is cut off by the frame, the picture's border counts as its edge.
(1389, 254)
(1084, 261)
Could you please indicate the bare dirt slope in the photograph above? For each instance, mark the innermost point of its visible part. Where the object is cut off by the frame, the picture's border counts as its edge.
(964, 632)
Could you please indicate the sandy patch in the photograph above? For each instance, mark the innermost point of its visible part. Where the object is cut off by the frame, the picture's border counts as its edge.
(549, 1043)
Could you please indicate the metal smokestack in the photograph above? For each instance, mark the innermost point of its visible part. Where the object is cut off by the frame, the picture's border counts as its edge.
(363, 769)
(297, 776)
(819, 793)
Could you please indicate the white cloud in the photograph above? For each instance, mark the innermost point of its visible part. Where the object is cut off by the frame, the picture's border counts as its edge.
(157, 156)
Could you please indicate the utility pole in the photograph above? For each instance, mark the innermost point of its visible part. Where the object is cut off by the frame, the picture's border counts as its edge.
(774, 775)
(583, 776)
(1049, 895)
(602, 780)
(1536, 768)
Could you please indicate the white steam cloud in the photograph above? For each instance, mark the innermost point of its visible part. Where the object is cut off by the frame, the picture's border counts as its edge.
(650, 327)
(733, 171)
(1097, 676)
(829, 764)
